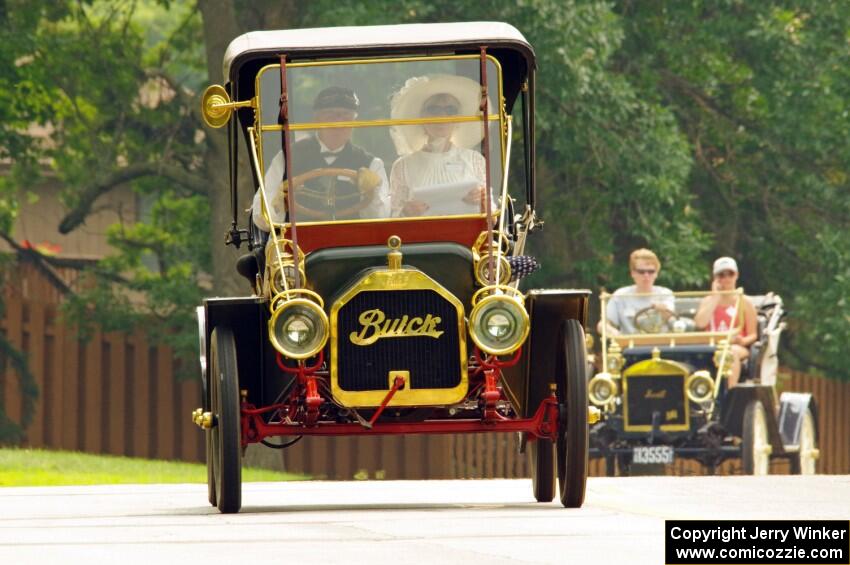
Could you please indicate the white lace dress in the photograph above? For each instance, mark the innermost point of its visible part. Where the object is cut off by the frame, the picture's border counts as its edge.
(425, 169)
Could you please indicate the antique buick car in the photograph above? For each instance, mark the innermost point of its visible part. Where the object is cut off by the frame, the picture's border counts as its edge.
(664, 394)
(384, 271)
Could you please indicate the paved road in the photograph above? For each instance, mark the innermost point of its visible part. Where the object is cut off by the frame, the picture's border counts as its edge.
(396, 522)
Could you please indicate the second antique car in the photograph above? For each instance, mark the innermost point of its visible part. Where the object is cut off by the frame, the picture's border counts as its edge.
(385, 269)
(664, 394)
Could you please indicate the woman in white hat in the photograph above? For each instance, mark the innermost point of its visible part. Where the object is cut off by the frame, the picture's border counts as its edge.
(436, 158)
(720, 312)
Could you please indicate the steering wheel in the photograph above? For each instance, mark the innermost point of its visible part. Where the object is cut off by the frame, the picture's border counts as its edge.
(652, 320)
(365, 193)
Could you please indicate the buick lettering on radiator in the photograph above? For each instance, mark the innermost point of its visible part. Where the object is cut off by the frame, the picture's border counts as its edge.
(376, 326)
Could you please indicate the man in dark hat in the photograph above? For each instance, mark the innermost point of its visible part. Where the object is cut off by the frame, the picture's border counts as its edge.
(329, 197)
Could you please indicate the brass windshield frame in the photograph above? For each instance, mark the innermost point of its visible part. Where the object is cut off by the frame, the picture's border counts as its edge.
(500, 116)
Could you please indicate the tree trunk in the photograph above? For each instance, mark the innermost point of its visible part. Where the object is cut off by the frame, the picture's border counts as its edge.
(220, 28)
(221, 25)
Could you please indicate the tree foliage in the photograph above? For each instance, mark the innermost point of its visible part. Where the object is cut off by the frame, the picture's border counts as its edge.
(692, 128)
(110, 87)
(761, 90)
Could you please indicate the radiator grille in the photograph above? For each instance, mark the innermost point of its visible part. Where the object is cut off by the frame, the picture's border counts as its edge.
(433, 362)
(665, 394)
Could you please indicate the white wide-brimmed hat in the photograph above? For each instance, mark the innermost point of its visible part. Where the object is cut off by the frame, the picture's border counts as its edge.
(408, 101)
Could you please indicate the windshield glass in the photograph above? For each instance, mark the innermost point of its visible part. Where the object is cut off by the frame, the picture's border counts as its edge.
(376, 140)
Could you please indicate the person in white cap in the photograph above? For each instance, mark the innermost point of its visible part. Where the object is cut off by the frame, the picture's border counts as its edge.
(720, 312)
(436, 158)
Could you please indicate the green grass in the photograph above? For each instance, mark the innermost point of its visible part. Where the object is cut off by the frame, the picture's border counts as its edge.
(37, 467)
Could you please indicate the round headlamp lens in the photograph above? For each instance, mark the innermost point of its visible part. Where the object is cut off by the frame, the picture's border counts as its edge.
(499, 324)
(298, 328)
(601, 389)
(700, 387)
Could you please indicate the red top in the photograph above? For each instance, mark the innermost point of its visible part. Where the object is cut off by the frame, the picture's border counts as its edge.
(721, 319)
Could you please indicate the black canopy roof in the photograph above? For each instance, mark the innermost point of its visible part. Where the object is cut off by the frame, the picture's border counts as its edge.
(249, 52)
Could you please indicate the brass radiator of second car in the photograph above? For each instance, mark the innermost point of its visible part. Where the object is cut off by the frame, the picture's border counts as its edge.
(655, 386)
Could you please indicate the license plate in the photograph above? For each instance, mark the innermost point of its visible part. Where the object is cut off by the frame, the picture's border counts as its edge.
(653, 454)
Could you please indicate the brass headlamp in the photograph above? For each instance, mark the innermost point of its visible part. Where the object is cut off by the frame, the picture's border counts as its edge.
(498, 323)
(298, 327)
(602, 389)
(700, 387)
(614, 358)
(481, 258)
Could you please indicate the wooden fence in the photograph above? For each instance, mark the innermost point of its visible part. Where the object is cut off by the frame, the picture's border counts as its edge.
(117, 394)
(111, 394)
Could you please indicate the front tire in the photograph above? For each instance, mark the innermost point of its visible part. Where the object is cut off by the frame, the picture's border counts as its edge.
(573, 427)
(226, 431)
(210, 455)
(543, 469)
(755, 448)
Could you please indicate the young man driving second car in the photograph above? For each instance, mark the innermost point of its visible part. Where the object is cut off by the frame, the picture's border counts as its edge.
(623, 305)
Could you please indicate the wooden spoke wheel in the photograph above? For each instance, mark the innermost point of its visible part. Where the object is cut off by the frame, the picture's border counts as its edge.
(572, 443)
(755, 447)
(226, 436)
(804, 462)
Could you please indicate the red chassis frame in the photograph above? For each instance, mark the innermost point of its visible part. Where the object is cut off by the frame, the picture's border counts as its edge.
(300, 411)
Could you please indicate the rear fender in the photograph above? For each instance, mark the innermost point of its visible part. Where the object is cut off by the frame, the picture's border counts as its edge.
(735, 402)
(792, 406)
